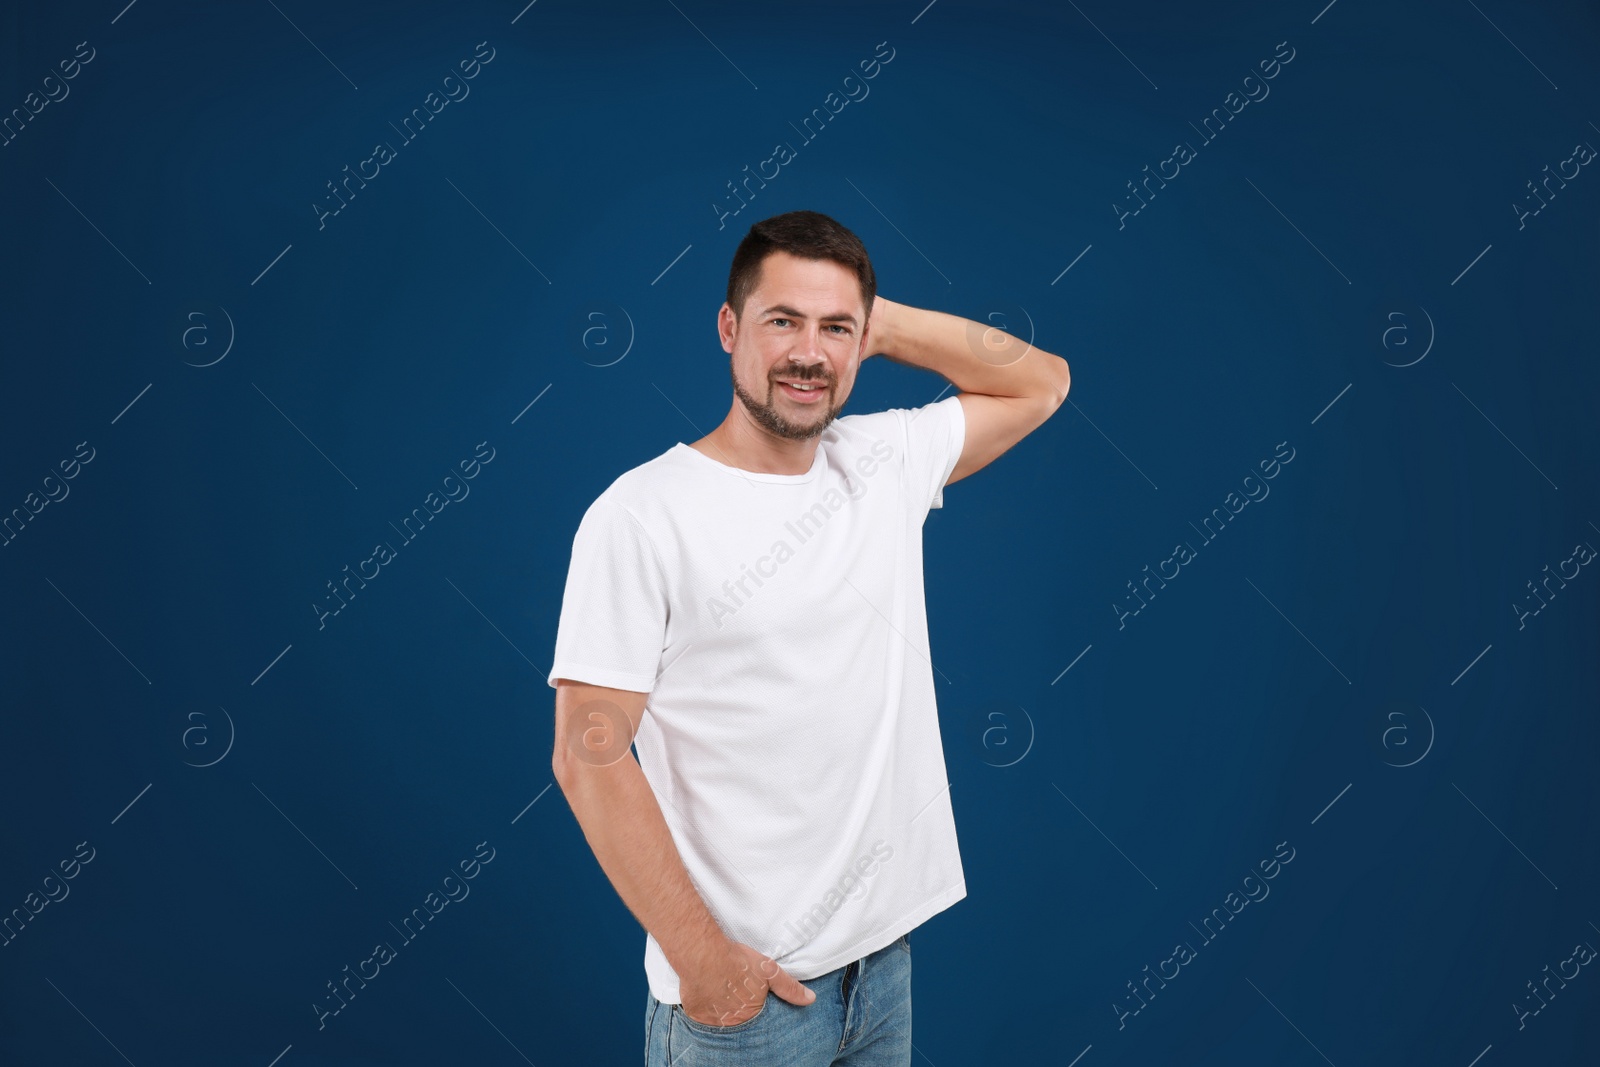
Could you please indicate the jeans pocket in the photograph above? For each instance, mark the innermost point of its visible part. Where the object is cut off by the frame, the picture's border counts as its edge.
(905, 943)
(711, 1029)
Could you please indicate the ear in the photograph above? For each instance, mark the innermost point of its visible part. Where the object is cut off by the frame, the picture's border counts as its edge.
(727, 325)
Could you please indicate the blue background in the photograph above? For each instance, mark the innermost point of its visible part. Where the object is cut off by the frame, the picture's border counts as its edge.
(1343, 669)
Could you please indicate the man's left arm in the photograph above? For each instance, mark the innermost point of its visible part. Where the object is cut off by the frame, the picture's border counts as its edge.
(1008, 386)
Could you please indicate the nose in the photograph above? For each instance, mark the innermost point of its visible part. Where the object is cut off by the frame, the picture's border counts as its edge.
(808, 354)
(808, 350)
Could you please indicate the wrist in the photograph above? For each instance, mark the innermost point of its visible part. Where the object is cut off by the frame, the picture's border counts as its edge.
(880, 329)
(703, 952)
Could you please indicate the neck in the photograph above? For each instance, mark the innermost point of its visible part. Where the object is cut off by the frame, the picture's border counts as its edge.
(739, 442)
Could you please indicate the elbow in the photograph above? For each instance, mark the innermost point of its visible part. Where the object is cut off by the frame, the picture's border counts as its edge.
(1062, 382)
(561, 766)
(575, 787)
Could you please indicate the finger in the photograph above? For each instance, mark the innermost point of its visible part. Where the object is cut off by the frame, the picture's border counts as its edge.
(789, 988)
(783, 983)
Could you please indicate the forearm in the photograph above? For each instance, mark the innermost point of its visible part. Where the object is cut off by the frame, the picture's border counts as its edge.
(973, 356)
(622, 821)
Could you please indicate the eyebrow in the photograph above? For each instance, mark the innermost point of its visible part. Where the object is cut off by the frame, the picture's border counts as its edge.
(790, 312)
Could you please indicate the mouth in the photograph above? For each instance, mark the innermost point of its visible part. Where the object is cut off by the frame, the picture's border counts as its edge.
(804, 393)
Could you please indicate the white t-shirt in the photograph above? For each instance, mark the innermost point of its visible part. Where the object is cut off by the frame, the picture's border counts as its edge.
(791, 735)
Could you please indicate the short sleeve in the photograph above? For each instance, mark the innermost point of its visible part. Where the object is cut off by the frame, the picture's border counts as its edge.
(613, 621)
(935, 434)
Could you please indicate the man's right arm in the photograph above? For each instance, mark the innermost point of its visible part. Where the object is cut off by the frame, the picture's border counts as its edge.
(615, 807)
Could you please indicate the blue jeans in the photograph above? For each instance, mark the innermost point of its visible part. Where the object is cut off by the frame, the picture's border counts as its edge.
(861, 1018)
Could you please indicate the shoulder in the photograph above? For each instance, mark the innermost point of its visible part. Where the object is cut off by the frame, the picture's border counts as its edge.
(642, 490)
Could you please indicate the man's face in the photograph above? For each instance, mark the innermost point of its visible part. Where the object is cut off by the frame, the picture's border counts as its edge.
(803, 322)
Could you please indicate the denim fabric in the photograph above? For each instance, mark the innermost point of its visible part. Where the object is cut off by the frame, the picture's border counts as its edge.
(861, 1018)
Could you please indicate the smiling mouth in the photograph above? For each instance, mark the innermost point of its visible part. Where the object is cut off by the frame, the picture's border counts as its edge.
(804, 395)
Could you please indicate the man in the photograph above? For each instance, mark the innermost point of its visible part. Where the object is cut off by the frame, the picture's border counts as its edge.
(787, 822)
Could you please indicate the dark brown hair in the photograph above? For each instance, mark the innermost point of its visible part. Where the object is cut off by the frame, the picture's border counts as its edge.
(807, 234)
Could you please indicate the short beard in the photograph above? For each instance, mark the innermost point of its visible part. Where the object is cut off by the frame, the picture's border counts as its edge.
(768, 417)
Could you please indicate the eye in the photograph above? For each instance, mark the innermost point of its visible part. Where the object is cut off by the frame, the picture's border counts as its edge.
(842, 329)
(776, 321)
